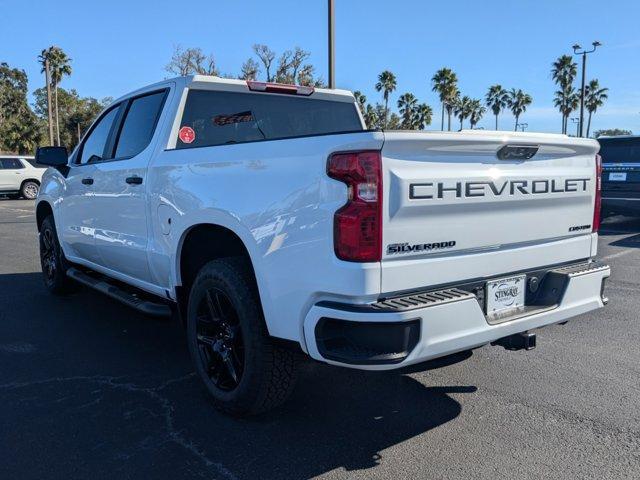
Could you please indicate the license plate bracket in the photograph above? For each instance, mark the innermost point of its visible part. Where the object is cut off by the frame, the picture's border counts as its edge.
(618, 176)
(505, 295)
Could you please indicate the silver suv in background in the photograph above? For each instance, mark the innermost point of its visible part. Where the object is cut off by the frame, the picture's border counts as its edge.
(20, 176)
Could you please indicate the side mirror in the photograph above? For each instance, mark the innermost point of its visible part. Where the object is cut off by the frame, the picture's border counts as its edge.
(52, 156)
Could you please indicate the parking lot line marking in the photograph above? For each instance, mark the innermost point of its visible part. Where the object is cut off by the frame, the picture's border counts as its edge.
(618, 286)
(618, 254)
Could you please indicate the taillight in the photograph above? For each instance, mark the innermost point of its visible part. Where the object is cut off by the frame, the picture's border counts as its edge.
(598, 201)
(357, 226)
(280, 88)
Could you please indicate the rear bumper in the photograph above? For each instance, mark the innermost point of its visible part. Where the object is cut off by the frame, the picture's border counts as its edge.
(621, 204)
(422, 326)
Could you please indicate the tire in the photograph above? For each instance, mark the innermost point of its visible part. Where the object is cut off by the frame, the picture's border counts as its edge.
(29, 190)
(54, 264)
(241, 368)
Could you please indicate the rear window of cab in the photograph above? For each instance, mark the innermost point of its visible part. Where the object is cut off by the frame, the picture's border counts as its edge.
(222, 118)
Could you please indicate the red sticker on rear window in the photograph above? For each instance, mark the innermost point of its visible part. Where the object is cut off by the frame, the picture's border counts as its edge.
(186, 135)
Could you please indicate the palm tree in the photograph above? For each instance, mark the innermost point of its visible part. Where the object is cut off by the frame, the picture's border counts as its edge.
(424, 114)
(407, 104)
(371, 117)
(394, 122)
(560, 101)
(454, 98)
(462, 109)
(445, 83)
(386, 84)
(476, 112)
(594, 97)
(518, 103)
(497, 100)
(361, 101)
(563, 72)
(567, 100)
(59, 66)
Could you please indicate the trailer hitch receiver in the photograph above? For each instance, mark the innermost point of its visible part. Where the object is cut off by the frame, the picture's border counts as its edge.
(518, 341)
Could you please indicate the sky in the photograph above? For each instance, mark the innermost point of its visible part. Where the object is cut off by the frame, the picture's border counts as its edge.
(117, 46)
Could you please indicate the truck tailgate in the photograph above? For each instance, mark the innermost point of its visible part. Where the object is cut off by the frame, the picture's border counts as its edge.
(455, 211)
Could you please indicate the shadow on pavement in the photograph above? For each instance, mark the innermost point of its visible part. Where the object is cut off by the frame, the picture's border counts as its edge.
(104, 392)
(619, 224)
(628, 242)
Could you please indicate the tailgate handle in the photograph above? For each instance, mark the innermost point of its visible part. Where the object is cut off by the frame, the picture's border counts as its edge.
(517, 152)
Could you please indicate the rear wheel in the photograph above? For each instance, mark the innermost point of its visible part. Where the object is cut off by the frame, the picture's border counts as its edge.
(29, 190)
(241, 368)
(54, 265)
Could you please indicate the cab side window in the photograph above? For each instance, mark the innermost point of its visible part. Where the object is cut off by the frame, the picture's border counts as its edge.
(139, 124)
(94, 148)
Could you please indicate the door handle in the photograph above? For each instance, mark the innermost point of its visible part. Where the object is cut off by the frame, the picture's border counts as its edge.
(134, 180)
(87, 181)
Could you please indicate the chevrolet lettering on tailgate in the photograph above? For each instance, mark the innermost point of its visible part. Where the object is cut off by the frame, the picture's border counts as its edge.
(425, 191)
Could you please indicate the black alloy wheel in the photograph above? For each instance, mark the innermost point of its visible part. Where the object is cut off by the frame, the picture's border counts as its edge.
(48, 255)
(219, 338)
(244, 371)
(52, 260)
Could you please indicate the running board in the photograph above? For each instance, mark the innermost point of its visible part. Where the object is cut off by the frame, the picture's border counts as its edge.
(103, 286)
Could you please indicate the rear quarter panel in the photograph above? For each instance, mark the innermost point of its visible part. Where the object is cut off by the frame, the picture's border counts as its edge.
(276, 196)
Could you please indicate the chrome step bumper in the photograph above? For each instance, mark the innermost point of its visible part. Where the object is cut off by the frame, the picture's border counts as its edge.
(424, 325)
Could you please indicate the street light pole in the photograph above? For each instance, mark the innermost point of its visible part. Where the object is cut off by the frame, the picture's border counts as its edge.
(332, 65)
(577, 50)
(576, 120)
(584, 72)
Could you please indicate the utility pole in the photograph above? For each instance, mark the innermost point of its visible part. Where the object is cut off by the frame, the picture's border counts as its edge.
(79, 136)
(47, 75)
(332, 58)
(577, 50)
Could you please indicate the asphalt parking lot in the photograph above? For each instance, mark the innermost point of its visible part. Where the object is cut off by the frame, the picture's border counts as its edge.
(90, 389)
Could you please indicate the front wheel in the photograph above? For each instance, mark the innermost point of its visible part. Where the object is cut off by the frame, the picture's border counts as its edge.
(54, 265)
(241, 368)
(29, 190)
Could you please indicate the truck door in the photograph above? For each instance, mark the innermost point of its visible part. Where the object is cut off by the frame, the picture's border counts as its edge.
(76, 225)
(120, 189)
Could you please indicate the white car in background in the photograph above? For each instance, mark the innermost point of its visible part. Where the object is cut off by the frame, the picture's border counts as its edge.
(20, 176)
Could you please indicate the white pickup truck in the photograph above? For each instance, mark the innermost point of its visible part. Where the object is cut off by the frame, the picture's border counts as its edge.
(274, 223)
